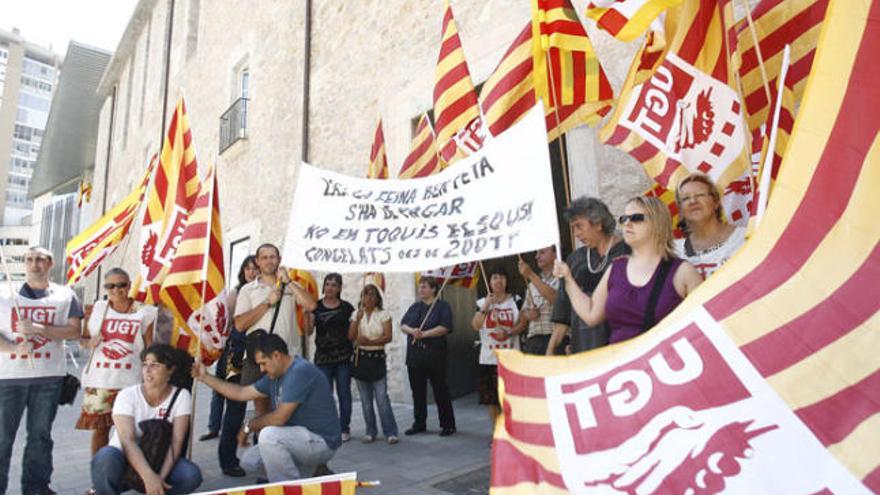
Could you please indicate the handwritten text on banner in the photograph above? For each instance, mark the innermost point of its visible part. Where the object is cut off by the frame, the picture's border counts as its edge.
(497, 202)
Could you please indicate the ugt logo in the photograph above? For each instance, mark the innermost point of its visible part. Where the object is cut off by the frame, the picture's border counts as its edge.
(689, 116)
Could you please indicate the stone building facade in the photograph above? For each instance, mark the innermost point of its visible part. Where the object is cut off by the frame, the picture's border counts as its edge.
(367, 58)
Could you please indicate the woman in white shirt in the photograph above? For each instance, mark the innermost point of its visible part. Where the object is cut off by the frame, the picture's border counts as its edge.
(710, 241)
(495, 320)
(118, 329)
(163, 395)
(370, 330)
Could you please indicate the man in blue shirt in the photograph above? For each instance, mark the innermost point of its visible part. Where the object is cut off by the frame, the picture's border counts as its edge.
(301, 433)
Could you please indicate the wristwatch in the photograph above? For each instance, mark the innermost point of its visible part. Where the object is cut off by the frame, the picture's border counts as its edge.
(247, 429)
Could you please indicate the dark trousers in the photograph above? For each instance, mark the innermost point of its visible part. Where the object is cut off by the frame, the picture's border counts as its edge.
(536, 344)
(218, 400)
(232, 420)
(418, 382)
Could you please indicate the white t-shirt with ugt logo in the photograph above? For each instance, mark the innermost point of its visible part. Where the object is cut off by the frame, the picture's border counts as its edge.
(117, 360)
(495, 333)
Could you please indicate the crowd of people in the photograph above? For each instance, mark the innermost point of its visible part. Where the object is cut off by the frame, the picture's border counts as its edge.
(628, 274)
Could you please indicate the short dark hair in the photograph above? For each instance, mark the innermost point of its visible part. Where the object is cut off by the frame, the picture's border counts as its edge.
(333, 276)
(175, 358)
(268, 245)
(500, 270)
(269, 343)
(592, 209)
(117, 271)
(431, 282)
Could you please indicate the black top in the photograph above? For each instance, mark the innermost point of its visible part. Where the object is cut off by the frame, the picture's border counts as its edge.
(441, 315)
(331, 332)
(583, 336)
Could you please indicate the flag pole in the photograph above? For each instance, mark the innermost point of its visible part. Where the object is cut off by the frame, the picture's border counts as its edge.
(198, 355)
(565, 181)
(439, 292)
(767, 166)
(754, 33)
(12, 295)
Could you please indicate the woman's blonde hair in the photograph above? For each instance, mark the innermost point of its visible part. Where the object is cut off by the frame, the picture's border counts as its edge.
(657, 214)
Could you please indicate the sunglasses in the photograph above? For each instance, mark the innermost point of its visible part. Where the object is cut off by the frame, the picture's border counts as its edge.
(635, 218)
(120, 285)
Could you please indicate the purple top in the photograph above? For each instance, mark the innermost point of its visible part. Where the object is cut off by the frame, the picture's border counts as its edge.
(626, 304)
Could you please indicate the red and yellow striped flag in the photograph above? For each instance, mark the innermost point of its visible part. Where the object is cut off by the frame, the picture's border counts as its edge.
(777, 23)
(509, 94)
(668, 199)
(566, 69)
(422, 159)
(340, 484)
(455, 99)
(378, 168)
(688, 116)
(304, 278)
(89, 248)
(169, 201)
(765, 379)
(195, 287)
(626, 20)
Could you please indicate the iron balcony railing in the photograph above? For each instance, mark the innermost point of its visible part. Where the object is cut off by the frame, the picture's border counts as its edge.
(233, 124)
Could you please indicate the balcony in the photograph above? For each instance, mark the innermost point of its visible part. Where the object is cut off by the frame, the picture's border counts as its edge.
(233, 124)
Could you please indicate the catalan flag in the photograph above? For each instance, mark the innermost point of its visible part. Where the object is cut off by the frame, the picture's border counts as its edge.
(423, 159)
(509, 94)
(668, 198)
(765, 379)
(763, 134)
(89, 248)
(169, 200)
(777, 23)
(466, 275)
(378, 168)
(455, 99)
(566, 69)
(84, 195)
(340, 484)
(688, 116)
(195, 286)
(626, 20)
(304, 278)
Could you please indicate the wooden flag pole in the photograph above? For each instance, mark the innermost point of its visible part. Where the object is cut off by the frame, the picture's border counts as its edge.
(761, 66)
(562, 155)
(12, 295)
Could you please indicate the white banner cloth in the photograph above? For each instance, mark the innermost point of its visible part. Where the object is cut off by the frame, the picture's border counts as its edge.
(496, 202)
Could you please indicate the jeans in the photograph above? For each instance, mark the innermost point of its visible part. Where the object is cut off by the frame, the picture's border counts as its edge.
(41, 401)
(232, 420)
(109, 464)
(217, 400)
(418, 383)
(341, 374)
(379, 391)
(287, 453)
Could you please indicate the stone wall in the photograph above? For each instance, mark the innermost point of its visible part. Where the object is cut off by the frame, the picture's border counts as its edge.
(370, 58)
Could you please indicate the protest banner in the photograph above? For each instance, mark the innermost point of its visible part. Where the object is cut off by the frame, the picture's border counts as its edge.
(496, 202)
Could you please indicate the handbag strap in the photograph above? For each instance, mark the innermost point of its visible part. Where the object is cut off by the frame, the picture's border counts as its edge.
(651, 309)
(171, 405)
(277, 309)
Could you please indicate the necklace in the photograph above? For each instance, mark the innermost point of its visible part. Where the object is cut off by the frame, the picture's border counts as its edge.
(602, 264)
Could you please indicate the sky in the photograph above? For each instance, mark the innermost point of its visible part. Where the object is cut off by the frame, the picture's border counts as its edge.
(98, 23)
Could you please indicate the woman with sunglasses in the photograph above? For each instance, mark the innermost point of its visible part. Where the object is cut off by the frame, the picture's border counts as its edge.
(117, 330)
(623, 297)
(164, 395)
(710, 241)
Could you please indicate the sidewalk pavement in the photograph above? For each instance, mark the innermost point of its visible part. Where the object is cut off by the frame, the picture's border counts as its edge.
(419, 465)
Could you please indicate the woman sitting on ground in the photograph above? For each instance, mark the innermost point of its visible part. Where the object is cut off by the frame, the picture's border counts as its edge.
(163, 395)
(117, 330)
(370, 330)
(710, 241)
(623, 296)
